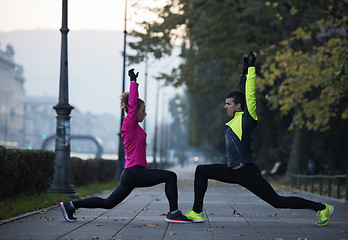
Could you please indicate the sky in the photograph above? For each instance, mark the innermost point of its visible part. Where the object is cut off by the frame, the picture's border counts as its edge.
(82, 14)
(46, 14)
(106, 15)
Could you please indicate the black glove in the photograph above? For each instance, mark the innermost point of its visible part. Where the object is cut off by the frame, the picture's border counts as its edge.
(252, 59)
(245, 66)
(132, 75)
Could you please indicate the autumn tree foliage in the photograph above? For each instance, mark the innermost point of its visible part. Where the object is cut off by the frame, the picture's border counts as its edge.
(301, 49)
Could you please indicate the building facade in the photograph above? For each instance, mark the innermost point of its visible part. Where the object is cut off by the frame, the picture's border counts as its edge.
(11, 100)
(40, 126)
(40, 121)
(27, 121)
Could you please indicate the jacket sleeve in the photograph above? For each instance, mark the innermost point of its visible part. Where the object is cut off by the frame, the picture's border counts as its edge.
(130, 121)
(250, 93)
(241, 86)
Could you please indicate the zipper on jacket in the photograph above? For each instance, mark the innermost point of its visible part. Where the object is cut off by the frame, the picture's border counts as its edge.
(234, 142)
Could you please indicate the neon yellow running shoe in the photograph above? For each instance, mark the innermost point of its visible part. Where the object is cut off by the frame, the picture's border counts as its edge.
(195, 217)
(324, 215)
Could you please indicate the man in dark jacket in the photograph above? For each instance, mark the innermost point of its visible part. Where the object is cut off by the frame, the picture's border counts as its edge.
(240, 168)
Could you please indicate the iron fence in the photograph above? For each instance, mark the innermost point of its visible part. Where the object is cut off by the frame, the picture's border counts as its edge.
(320, 181)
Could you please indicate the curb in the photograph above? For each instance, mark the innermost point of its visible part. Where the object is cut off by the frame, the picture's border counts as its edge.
(28, 214)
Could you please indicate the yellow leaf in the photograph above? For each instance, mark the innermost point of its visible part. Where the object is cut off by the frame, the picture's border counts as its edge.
(345, 114)
(151, 225)
(293, 11)
(296, 190)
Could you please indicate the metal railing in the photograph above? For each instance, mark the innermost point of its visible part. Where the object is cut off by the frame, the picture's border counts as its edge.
(319, 181)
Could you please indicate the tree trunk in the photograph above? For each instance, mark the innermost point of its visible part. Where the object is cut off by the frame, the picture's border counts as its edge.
(266, 125)
(300, 151)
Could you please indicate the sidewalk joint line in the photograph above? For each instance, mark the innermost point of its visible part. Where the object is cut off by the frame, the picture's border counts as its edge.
(242, 216)
(83, 224)
(141, 210)
(89, 221)
(209, 223)
(165, 232)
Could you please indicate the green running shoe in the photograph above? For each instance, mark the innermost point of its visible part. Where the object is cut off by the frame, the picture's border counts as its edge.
(195, 217)
(324, 215)
(177, 217)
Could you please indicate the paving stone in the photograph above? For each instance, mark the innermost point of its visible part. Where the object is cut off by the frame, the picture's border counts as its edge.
(231, 212)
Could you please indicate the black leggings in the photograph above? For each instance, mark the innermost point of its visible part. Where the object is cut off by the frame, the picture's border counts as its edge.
(248, 176)
(133, 177)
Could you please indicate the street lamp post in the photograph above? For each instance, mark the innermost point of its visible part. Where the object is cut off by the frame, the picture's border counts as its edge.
(62, 169)
(121, 153)
(154, 164)
(162, 146)
(145, 95)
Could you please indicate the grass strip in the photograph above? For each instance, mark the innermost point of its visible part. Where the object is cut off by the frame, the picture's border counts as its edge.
(22, 204)
(94, 188)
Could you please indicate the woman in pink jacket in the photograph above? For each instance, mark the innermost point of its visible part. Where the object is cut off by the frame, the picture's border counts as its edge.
(135, 174)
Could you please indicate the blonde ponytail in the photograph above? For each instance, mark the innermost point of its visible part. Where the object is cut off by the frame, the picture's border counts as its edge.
(124, 101)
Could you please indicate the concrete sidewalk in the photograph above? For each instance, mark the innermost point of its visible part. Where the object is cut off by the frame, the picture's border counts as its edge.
(231, 212)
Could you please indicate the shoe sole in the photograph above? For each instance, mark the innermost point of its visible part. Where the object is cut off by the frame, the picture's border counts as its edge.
(198, 220)
(65, 214)
(177, 221)
(195, 220)
(324, 224)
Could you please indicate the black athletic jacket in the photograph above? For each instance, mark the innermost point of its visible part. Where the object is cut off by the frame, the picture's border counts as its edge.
(238, 130)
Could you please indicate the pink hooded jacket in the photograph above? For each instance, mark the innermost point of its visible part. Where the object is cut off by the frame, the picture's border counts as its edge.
(133, 135)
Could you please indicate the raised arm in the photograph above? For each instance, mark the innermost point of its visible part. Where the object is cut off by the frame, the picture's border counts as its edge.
(250, 87)
(241, 86)
(130, 121)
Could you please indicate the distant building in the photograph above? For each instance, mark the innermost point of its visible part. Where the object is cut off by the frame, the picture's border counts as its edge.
(40, 121)
(26, 122)
(11, 100)
(101, 126)
(40, 124)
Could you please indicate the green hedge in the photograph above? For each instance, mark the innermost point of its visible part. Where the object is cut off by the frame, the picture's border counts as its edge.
(84, 172)
(24, 172)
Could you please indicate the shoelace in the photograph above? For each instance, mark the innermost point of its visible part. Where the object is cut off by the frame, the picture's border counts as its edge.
(319, 215)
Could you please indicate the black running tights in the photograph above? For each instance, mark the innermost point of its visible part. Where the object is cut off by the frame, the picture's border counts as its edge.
(134, 177)
(248, 176)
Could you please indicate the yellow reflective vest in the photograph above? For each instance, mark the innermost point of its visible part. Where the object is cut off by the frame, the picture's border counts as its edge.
(238, 130)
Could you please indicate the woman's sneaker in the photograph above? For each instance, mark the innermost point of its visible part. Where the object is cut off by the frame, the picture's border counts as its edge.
(324, 215)
(195, 217)
(68, 211)
(177, 217)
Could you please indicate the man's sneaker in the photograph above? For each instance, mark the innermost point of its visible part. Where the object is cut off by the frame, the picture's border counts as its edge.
(324, 215)
(177, 217)
(68, 210)
(195, 217)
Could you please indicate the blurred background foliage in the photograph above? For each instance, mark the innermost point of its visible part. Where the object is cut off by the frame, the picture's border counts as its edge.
(301, 49)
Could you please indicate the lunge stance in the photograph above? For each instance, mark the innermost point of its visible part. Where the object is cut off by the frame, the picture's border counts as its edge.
(135, 174)
(240, 168)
